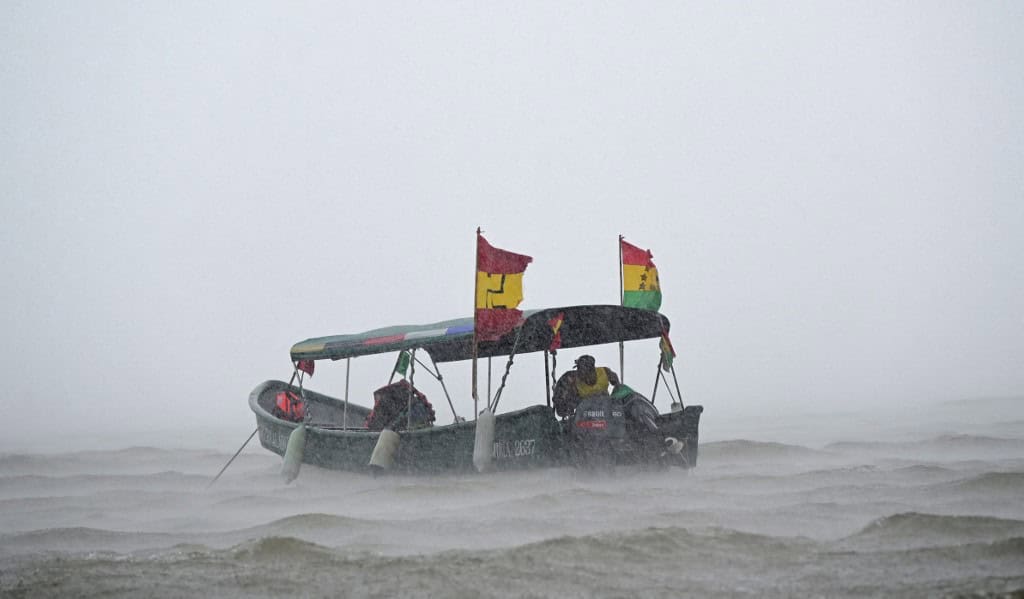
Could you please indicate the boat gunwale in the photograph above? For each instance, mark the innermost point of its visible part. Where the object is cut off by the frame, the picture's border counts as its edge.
(274, 384)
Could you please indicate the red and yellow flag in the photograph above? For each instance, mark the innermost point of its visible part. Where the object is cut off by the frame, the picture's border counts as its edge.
(640, 285)
(499, 289)
(556, 332)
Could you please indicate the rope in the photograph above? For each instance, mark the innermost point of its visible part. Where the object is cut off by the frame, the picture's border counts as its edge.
(508, 367)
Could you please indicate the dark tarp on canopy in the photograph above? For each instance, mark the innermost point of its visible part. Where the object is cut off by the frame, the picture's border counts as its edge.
(452, 340)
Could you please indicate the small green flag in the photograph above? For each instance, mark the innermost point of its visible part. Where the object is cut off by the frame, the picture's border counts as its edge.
(402, 364)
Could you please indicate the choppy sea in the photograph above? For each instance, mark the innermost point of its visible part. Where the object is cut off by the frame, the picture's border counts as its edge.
(927, 503)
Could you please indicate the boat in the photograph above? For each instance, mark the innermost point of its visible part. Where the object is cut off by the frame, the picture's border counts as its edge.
(337, 436)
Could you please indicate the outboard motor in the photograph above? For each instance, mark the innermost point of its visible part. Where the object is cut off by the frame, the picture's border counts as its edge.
(647, 442)
(599, 431)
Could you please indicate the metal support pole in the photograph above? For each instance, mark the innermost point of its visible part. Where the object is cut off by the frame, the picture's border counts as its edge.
(408, 403)
(344, 414)
(657, 379)
(436, 373)
(547, 389)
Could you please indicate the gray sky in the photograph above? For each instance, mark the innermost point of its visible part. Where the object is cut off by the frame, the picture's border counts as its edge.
(833, 192)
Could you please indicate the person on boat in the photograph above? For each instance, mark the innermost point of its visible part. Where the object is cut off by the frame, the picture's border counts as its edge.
(391, 408)
(587, 380)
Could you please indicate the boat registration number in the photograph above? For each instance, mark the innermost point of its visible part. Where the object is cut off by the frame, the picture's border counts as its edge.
(274, 437)
(514, 448)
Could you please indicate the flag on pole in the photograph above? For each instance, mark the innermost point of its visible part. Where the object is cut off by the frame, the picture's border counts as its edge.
(556, 331)
(402, 363)
(668, 353)
(306, 366)
(499, 290)
(640, 285)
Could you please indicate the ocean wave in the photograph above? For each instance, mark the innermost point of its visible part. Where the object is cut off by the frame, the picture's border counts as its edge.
(653, 562)
(991, 553)
(744, 449)
(276, 549)
(915, 529)
(976, 441)
(1011, 548)
(569, 497)
(77, 484)
(1011, 483)
(249, 501)
(94, 456)
(943, 443)
(82, 540)
(307, 523)
(844, 472)
(128, 460)
(74, 534)
(993, 402)
(924, 470)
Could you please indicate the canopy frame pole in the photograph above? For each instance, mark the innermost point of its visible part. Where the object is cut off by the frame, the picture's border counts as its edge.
(667, 388)
(302, 393)
(489, 396)
(476, 282)
(344, 413)
(554, 369)
(436, 373)
(408, 403)
(657, 379)
(676, 379)
(547, 389)
(622, 301)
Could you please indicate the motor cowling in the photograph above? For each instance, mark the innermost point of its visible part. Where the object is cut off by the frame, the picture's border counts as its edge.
(598, 418)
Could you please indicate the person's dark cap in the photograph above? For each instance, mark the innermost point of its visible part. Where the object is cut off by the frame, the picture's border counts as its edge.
(585, 360)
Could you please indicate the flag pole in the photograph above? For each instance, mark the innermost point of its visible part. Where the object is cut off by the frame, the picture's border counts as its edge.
(476, 282)
(622, 301)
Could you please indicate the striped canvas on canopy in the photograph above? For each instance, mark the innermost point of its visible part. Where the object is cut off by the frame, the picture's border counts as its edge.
(452, 340)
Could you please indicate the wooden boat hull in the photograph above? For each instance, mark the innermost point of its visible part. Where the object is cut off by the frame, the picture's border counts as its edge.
(529, 438)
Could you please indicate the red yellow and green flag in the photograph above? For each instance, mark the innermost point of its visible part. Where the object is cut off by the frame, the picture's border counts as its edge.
(640, 285)
(499, 289)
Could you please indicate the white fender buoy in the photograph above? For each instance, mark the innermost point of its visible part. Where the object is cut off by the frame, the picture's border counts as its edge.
(293, 454)
(483, 445)
(384, 451)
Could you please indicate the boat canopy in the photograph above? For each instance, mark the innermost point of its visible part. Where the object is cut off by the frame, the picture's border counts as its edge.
(452, 340)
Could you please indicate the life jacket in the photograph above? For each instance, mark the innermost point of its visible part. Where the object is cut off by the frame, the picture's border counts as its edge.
(289, 407)
(600, 385)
